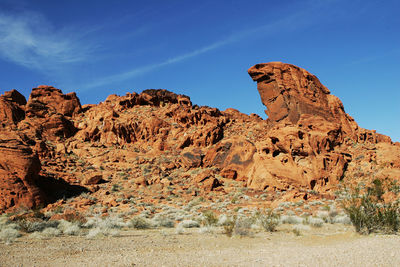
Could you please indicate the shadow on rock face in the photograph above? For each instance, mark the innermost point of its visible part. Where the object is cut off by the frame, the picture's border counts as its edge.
(56, 189)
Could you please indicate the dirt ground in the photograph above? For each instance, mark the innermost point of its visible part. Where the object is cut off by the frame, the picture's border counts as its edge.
(331, 245)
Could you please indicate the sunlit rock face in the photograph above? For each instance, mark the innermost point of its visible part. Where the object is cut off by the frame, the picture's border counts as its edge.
(158, 142)
(289, 92)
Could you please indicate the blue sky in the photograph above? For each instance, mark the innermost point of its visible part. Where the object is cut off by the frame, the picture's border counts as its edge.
(204, 48)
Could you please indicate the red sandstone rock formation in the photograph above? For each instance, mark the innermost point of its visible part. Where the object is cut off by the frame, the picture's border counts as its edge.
(168, 116)
(47, 100)
(12, 107)
(19, 169)
(288, 92)
(158, 142)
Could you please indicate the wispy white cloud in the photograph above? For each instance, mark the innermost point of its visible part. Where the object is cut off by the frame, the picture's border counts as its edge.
(290, 22)
(30, 40)
(375, 57)
(144, 69)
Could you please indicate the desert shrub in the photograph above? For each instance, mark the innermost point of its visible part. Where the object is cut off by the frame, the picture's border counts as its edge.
(206, 230)
(299, 228)
(110, 222)
(296, 231)
(229, 226)
(98, 232)
(210, 218)
(51, 232)
(314, 221)
(37, 235)
(9, 234)
(69, 228)
(189, 224)
(94, 232)
(139, 222)
(369, 212)
(3, 220)
(108, 226)
(45, 233)
(29, 226)
(332, 212)
(243, 226)
(222, 219)
(194, 202)
(324, 215)
(179, 229)
(269, 220)
(291, 219)
(285, 204)
(341, 218)
(6, 223)
(163, 221)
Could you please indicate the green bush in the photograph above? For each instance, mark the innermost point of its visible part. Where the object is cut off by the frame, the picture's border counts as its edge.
(368, 211)
(139, 222)
(210, 218)
(29, 226)
(269, 220)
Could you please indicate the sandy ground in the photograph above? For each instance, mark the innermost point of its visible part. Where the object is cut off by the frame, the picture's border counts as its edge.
(328, 246)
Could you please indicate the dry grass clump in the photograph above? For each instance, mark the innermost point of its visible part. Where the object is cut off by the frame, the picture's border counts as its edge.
(314, 221)
(108, 226)
(229, 225)
(162, 221)
(291, 219)
(30, 226)
(9, 234)
(341, 218)
(139, 222)
(69, 228)
(243, 225)
(189, 224)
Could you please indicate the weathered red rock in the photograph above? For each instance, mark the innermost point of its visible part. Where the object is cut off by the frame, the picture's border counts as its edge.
(48, 113)
(14, 96)
(117, 121)
(47, 100)
(93, 179)
(19, 169)
(157, 145)
(207, 181)
(191, 157)
(235, 154)
(12, 107)
(288, 92)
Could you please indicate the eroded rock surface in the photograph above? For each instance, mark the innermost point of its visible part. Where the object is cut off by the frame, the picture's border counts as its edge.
(19, 172)
(288, 92)
(157, 145)
(12, 107)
